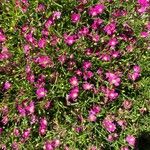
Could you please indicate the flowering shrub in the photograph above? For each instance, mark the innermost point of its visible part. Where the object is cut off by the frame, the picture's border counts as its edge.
(74, 74)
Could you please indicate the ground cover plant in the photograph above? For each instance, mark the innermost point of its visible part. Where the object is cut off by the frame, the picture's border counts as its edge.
(74, 74)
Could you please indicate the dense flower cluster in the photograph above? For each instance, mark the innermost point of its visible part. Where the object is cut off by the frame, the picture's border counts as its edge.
(69, 71)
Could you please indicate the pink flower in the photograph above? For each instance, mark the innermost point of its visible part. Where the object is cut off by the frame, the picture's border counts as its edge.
(113, 42)
(96, 10)
(144, 34)
(131, 140)
(21, 110)
(87, 86)
(41, 92)
(97, 22)
(73, 81)
(48, 146)
(75, 17)
(42, 43)
(42, 130)
(83, 31)
(2, 37)
(86, 65)
(110, 28)
(95, 110)
(26, 49)
(5, 120)
(109, 125)
(30, 78)
(26, 133)
(143, 3)
(87, 75)
(95, 37)
(113, 78)
(134, 76)
(40, 8)
(49, 22)
(7, 85)
(44, 61)
(136, 69)
(15, 146)
(78, 72)
(92, 117)
(73, 94)
(127, 104)
(111, 94)
(43, 122)
(56, 15)
(112, 137)
(51, 145)
(30, 108)
(115, 54)
(70, 39)
(62, 59)
(105, 57)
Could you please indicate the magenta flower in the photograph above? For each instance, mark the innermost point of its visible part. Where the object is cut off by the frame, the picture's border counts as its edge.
(95, 37)
(7, 85)
(26, 133)
(97, 22)
(86, 65)
(48, 146)
(131, 140)
(111, 94)
(70, 39)
(2, 37)
(15, 146)
(87, 75)
(56, 15)
(112, 137)
(92, 117)
(95, 110)
(83, 31)
(30, 108)
(44, 61)
(40, 7)
(136, 69)
(143, 3)
(51, 145)
(26, 49)
(75, 17)
(115, 54)
(87, 86)
(96, 10)
(78, 72)
(73, 94)
(21, 110)
(49, 22)
(43, 122)
(134, 76)
(42, 130)
(113, 78)
(110, 28)
(42, 43)
(113, 42)
(30, 78)
(109, 125)
(105, 57)
(73, 81)
(41, 92)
